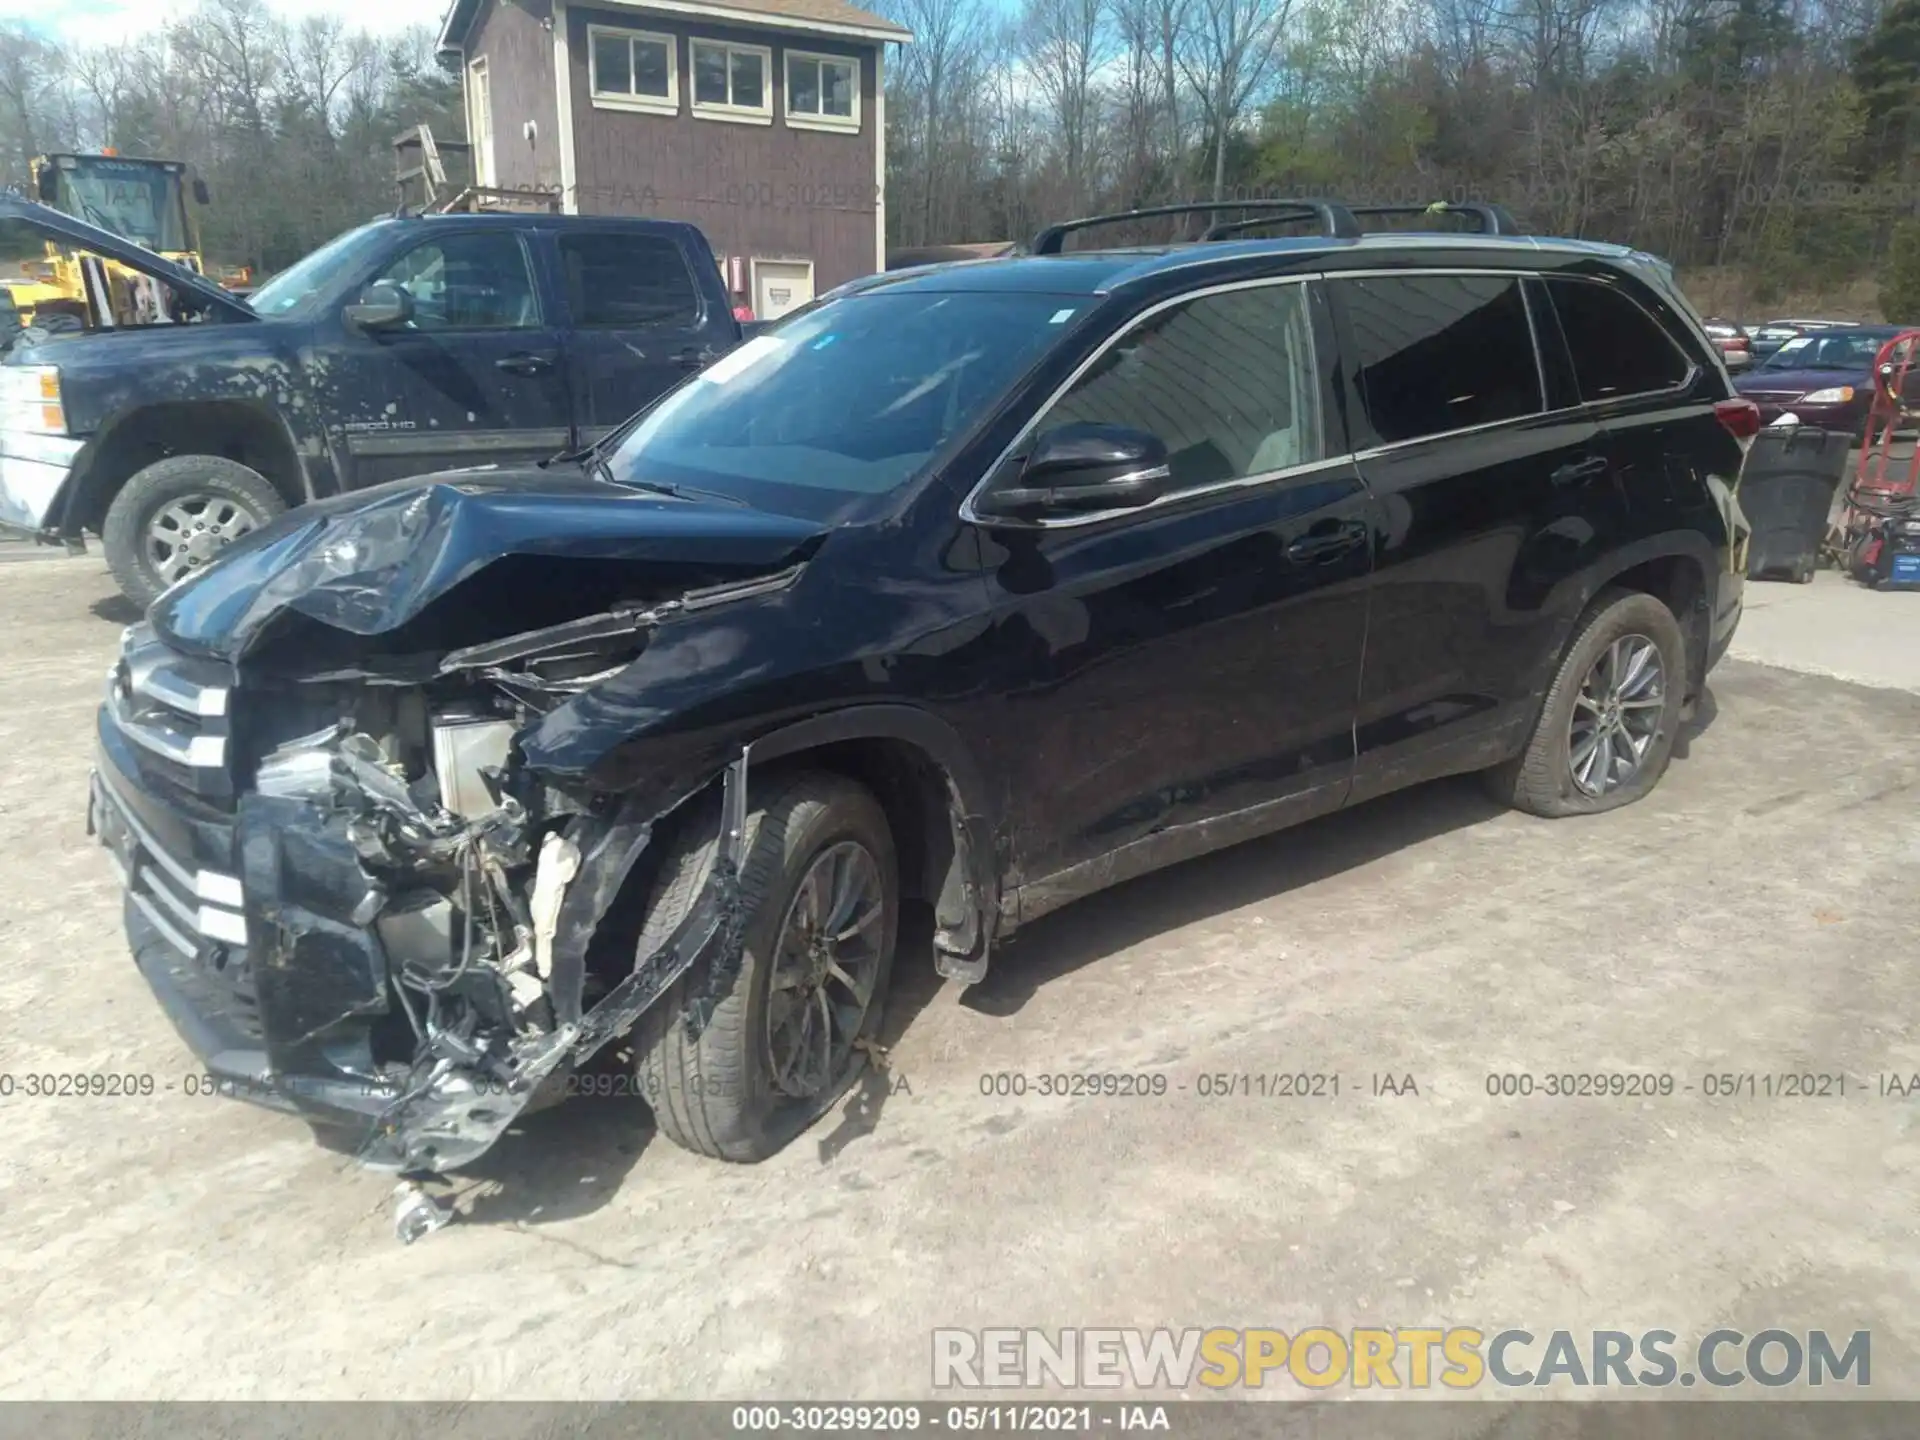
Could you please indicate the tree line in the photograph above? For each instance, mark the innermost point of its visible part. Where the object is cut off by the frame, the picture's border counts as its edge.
(1778, 136)
(291, 125)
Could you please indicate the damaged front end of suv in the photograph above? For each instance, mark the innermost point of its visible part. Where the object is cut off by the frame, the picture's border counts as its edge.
(355, 776)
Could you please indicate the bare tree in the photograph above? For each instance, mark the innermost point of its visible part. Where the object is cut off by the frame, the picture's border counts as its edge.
(30, 91)
(1066, 44)
(1229, 57)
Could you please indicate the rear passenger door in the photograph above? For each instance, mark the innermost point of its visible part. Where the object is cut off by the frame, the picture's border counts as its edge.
(1488, 494)
(1636, 383)
(639, 322)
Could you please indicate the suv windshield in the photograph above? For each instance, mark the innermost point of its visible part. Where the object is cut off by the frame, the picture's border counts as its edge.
(846, 400)
(319, 270)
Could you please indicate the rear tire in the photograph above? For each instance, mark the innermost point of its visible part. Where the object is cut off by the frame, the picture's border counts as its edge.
(1622, 637)
(723, 1093)
(150, 533)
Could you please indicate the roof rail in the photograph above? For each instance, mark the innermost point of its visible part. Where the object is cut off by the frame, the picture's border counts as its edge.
(1494, 219)
(1335, 219)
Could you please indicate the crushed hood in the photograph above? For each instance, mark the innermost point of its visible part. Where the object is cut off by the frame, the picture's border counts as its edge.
(368, 563)
(19, 216)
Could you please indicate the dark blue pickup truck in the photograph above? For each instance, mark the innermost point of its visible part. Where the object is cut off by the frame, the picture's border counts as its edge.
(185, 416)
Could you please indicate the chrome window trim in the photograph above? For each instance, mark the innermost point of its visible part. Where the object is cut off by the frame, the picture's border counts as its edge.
(1560, 415)
(970, 515)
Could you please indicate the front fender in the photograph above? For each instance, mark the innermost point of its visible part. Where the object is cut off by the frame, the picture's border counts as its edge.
(611, 847)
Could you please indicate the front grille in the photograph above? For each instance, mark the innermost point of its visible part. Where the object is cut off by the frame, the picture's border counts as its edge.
(176, 709)
(197, 912)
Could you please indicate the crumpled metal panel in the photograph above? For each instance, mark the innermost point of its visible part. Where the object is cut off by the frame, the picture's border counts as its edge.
(368, 562)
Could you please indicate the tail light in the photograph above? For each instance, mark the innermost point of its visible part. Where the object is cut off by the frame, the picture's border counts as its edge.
(1740, 417)
(743, 313)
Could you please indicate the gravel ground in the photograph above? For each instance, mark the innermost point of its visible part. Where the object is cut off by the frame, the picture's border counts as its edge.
(1754, 916)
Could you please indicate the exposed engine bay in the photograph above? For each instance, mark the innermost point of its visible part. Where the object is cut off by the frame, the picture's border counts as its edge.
(469, 861)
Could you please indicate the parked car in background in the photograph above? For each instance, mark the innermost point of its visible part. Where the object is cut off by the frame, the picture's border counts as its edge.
(1733, 343)
(1770, 336)
(1824, 376)
(975, 587)
(407, 345)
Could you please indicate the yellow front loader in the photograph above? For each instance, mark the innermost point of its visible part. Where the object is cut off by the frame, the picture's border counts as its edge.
(145, 201)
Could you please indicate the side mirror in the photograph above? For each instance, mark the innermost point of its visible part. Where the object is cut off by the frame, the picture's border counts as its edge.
(200, 196)
(1084, 468)
(383, 306)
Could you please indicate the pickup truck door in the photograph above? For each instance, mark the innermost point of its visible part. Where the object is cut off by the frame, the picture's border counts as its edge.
(639, 322)
(478, 376)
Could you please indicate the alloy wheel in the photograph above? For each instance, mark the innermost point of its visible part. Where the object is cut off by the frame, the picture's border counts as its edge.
(1616, 715)
(826, 966)
(185, 534)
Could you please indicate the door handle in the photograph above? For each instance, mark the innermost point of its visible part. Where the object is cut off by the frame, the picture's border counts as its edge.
(694, 358)
(1575, 471)
(524, 364)
(1315, 549)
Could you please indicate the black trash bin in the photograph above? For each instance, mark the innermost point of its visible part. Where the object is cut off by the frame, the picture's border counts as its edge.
(1786, 492)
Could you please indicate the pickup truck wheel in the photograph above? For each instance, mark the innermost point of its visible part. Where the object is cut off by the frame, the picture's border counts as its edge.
(820, 891)
(171, 518)
(1606, 731)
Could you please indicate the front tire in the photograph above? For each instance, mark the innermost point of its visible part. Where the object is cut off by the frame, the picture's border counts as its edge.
(174, 516)
(1606, 731)
(820, 890)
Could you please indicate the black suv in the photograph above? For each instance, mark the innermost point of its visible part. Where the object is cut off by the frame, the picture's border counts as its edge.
(404, 346)
(981, 586)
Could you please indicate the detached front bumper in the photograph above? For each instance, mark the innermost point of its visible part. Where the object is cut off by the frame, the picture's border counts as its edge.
(34, 471)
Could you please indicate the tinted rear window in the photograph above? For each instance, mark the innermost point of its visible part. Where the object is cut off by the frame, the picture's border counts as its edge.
(627, 282)
(1441, 352)
(1618, 349)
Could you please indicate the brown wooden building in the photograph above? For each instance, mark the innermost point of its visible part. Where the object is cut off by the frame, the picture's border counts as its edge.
(761, 121)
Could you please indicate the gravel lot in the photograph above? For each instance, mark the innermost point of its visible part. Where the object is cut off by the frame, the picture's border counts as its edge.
(1755, 915)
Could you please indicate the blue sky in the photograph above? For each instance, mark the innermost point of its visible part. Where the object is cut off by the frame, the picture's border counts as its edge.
(93, 21)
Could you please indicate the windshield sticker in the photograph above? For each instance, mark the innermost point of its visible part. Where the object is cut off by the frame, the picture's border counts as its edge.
(1060, 317)
(730, 365)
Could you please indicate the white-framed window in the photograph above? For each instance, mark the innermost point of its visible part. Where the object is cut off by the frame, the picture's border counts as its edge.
(480, 121)
(823, 91)
(633, 70)
(732, 82)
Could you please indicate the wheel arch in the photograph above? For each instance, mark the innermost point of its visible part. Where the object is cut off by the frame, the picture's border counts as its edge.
(238, 430)
(936, 802)
(1677, 569)
(919, 769)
